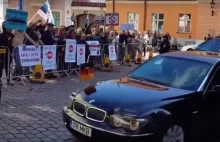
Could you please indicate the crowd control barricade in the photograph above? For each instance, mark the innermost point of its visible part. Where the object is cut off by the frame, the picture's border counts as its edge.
(5, 60)
(96, 54)
(65, 68)
(131, 51)
(19, 72)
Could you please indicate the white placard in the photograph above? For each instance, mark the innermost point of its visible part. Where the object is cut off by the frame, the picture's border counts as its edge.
(29, 55)
(70, 52)
(94, 51)
(127, 27)
(81, 56)
(111, 19)
(112, 52)
(94, 47)
(49, 57)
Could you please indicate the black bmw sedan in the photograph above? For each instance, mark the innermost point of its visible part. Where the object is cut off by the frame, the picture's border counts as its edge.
(173, 97)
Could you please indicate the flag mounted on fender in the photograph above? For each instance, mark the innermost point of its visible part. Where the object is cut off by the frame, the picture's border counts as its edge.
(86, 74)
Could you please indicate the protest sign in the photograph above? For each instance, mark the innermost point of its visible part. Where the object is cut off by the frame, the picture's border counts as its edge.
(127, 27)
(112, 52)
(70, 52)
(49, 57)
(29, 55)
(16, 19)
(94, 48)
(81, 56)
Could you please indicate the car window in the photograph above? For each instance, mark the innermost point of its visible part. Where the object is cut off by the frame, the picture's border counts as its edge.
(211, 45)
(215, 80)
(173, 72)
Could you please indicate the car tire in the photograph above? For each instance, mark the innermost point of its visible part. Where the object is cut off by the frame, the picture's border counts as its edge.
(175, 132)
(190, 49)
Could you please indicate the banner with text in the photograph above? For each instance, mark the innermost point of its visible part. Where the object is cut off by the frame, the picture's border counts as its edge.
(29, 55)
(70, 52)
(112, 52)
(49, 57)
(81, 56)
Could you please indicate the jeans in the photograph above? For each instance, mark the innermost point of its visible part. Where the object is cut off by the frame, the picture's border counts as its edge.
(121, 52)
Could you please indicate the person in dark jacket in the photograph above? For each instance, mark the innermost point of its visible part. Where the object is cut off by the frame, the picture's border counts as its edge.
(123, 40)
(5, 59)
(48, 36)
(164, 46)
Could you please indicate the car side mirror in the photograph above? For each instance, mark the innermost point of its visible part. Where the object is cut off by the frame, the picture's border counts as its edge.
(216, 88)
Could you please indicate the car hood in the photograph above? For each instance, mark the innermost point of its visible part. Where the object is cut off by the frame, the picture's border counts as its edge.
(129, 96)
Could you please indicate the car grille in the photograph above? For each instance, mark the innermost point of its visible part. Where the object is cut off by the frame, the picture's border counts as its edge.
(91, 113)
(95, 114)
(79, 108)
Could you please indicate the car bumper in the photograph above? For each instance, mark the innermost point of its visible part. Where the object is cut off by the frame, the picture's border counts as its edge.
(99, 133)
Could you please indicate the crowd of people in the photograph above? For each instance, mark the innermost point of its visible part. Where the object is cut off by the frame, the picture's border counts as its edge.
(39, 34)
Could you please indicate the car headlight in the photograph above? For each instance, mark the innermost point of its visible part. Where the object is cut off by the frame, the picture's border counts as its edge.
(126, 122)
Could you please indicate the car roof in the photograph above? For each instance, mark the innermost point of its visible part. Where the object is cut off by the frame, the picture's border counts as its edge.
(203, 56)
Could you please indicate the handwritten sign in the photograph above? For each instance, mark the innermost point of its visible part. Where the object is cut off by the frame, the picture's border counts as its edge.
(16, 19)
(29, 55)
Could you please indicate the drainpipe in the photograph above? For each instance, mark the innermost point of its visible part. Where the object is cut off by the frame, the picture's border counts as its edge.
(113, 6)
(145, 14)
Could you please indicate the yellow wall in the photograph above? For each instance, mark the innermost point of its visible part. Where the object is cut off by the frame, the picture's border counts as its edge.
(171, 14)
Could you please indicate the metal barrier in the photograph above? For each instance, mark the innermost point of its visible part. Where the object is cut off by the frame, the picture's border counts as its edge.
(5, 60)
(62, 67)
(66, 69)
(96, 61)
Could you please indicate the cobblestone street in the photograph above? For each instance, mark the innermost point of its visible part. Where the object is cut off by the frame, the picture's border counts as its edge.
(32, 113)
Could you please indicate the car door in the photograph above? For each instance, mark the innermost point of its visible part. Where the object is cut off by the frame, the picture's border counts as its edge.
(212, 105)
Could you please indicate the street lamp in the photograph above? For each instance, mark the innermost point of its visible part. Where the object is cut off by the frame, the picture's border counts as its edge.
(212, 6)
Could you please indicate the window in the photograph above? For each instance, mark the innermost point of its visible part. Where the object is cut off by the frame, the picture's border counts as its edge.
(184, 23)
(157, 22)
(133, 18)
(56, 16)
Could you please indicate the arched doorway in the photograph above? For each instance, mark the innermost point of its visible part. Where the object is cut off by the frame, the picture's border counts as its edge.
(81, 19)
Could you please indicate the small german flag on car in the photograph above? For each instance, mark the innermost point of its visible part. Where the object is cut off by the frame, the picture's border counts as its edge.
(86, 74)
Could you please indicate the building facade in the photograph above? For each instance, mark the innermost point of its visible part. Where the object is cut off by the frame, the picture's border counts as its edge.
(180, 18)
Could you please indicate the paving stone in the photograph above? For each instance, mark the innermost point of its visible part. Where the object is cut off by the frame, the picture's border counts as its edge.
(34, 112)
(9, 136)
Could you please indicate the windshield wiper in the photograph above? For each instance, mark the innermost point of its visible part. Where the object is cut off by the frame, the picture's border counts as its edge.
(149, 80)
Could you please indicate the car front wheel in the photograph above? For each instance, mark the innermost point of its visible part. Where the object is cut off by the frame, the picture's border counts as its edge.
(174, 134)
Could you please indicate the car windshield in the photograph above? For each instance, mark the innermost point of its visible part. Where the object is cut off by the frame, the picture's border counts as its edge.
(173, 72)
(210, 45)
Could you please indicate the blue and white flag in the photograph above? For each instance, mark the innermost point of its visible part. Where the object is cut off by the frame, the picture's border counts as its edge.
(87, 21)
(46, 13)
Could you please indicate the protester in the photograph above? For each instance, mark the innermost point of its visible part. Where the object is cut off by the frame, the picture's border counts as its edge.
(164, 46)
(6, 40)
(48, 38)
(19, 38)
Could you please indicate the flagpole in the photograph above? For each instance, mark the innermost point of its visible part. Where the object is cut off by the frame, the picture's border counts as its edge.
(32, 18)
